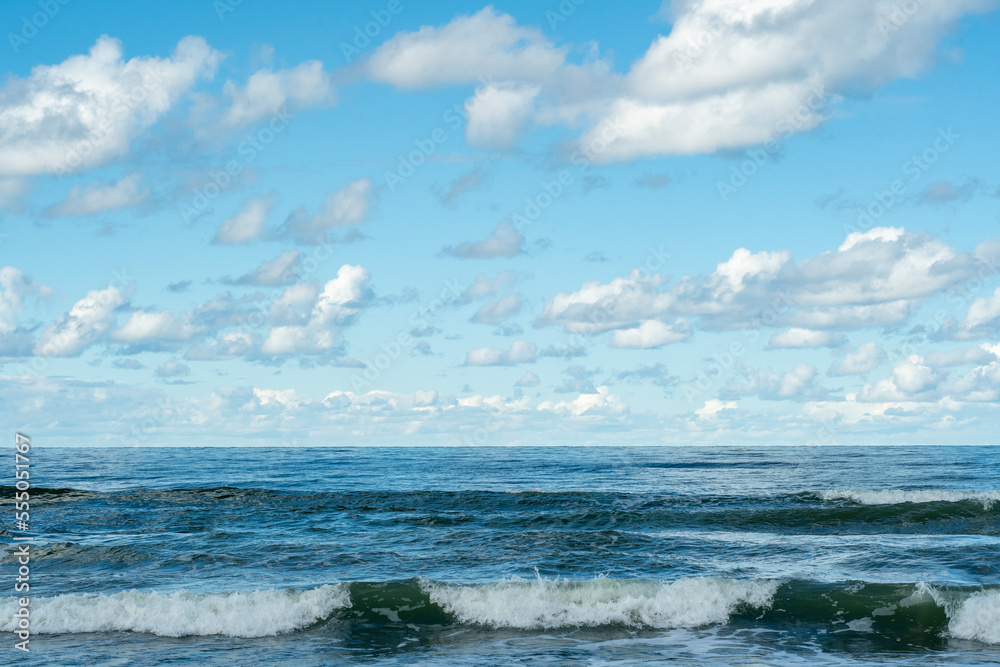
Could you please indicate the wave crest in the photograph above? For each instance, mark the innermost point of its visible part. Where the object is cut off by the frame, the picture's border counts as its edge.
(542, 603)
(251, 614)
(899, 496)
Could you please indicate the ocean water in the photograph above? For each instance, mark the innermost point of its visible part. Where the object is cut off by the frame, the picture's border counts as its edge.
(503, 556)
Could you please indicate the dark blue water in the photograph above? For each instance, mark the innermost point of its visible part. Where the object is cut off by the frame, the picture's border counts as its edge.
(489, 556)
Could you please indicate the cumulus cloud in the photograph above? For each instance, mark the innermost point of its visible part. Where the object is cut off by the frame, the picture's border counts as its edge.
(498, 113)
(506, 241)
(486, 45)
(911, 379)
(651, 334)
(767, 384)
(349, 205)
(495, 312)
(875, 278)
(267, 92)
(15, 287)
(529, 379)
(248, 223)
(861, 361)
(282, 270)
(100, 196)
(598, 403)
(982, 320)
(464, 184)
(946, 192)
(144, 328)
(172, 369)
(86, 110)
(336, 306)
(87, 322)
(520, 352)
(800, 338)
(728, 75)
(713, 407)
(483, 287)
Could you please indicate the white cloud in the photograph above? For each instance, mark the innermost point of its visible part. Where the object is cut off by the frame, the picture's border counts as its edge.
(498, 113)
(86, 323)
(875, 281)
(172, 369)
(520, 352)
(802, 338)
(713, 407)
(624, 302)
(486, 45)
(484, 287)
(910, 379)
(733, 74)
(865, 359)
(495, 312)
(248, 223)
(99, 197)
(650, 334)
(765, 383)
(14, 288)
(728, 75)
(529, 379)
(982, 318)
(876, 234)
(744, 265)
(603, 402)
(144, 326)
(347, 206)
(11, 191)
(970, 355)
(506, 241)
(267, 92)
(336, 306)
(282, 270)
(87, 109)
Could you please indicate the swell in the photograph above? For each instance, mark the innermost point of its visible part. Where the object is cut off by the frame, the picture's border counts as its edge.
(916, 613)
(819, 512)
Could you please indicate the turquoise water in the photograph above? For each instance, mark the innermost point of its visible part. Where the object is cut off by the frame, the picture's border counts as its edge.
(489, 556)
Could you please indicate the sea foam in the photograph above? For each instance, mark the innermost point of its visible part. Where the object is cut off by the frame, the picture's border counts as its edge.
(240, 614)
(899, 496)
(543, 603)
(977, 618)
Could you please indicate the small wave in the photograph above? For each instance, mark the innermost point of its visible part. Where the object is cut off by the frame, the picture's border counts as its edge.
(251, 614)
(977, 618)
(899, 496)
(685, 603)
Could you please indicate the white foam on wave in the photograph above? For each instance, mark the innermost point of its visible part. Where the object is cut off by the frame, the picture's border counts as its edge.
(977, 618)
(546, 603)
(240, 614)
(974, 616)
(899, 496)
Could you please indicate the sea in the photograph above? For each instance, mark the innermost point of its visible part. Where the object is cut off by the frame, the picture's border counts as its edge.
(508, 556)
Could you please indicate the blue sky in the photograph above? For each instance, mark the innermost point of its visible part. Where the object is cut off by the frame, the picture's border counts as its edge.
(517, 223)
